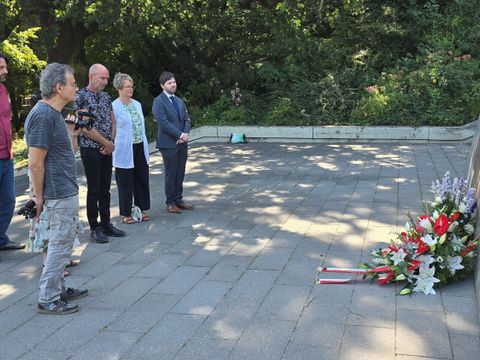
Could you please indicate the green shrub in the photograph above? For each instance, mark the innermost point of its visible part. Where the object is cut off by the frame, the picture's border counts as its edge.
(151, 129)
(20, 151)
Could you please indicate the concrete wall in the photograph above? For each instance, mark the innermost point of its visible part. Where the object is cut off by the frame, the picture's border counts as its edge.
(335, 133)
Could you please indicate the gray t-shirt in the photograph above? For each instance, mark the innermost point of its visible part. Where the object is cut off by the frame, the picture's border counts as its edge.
(45, 128)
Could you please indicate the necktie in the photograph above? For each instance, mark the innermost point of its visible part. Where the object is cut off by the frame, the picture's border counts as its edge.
(175, 104)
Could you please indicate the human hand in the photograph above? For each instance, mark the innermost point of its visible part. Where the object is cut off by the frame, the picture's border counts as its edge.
(180, 141)
(185, 137)
(108, 148)
(70, 121)
(38, 206)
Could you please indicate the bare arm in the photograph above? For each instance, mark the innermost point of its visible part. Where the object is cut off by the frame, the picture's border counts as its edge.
(114, 126)
(36, 165)
(93, 134)
(72, 132)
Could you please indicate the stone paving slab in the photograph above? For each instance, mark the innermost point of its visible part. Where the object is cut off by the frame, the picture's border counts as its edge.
(233, 279)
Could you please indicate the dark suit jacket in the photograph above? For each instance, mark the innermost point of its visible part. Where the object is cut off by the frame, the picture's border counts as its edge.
(170, 124)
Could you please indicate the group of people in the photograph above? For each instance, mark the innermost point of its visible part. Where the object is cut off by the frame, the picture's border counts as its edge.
(109, 134)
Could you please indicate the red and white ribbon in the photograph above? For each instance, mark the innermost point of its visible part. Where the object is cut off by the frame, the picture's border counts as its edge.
(347, 271)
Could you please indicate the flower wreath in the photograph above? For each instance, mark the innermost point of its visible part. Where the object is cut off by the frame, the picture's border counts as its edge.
(436, 248)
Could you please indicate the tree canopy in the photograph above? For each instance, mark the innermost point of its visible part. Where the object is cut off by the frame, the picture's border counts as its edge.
(312, 62)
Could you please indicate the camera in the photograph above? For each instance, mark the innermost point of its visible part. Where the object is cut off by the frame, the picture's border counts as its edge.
(28, 210)
(84, 123)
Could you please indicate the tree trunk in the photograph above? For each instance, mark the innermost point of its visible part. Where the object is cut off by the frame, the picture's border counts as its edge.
(70, 45)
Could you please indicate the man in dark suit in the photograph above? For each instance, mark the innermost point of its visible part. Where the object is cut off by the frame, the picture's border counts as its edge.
(172, 141)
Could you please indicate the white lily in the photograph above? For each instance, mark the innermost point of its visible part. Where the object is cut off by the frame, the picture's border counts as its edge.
(456, 242)
(425, 280)
(454, 263)
(426, 225)
(426, 260)
(429, 240)
(398, 256)
(469, 228)
(425, 286)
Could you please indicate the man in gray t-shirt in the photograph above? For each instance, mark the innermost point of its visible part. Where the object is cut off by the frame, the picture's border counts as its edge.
(54, 179)
(45, 128)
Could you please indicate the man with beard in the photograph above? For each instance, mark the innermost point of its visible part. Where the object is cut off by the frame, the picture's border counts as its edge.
(7, 180)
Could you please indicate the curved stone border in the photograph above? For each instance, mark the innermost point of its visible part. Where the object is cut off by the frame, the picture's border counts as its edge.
(335, 133)
(221, 134)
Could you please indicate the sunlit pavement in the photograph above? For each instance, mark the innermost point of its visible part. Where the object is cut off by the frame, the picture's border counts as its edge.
(234, 278)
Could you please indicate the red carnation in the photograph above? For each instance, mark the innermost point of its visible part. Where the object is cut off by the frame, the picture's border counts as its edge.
(414, 264)
(386, 278)
(441, 225)
(465, 251)
(453, 217)
(422, 247)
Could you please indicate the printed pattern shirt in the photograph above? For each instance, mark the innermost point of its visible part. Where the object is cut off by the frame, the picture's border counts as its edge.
(99, 104)
(136, 123)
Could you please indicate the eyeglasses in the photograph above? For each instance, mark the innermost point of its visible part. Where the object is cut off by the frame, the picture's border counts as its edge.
(129, 87)
(73, 85)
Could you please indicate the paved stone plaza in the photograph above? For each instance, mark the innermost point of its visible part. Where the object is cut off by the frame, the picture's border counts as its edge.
(233, 279)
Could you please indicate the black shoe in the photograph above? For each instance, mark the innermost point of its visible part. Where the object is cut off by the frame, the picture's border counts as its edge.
(57, 307)
(12, 245)
(111, 230)
(98, 236)
(72, 294)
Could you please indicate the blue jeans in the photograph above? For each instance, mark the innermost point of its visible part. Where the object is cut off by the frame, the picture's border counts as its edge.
(7, 198)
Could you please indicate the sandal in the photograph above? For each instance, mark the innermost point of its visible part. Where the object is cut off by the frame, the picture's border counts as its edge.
(72, 263)
(128, 220)
(145, 217)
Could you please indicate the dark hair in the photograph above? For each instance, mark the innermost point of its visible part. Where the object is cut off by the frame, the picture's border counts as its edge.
(5, 57)
(165, 76)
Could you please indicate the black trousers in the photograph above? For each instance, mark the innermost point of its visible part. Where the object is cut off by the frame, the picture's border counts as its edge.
(134, 182)
(98, 171)
(174, 161)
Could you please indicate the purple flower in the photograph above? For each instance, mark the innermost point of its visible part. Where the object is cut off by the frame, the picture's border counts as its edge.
(470, 202)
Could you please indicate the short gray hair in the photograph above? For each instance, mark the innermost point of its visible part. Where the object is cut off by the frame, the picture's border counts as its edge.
(120, 79)
(52, 75)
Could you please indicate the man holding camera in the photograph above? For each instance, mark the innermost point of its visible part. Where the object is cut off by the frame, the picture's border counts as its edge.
(96, 149)
(7, 180)
(54, 179)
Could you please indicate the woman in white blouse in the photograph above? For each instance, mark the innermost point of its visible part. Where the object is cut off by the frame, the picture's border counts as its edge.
(131, 156)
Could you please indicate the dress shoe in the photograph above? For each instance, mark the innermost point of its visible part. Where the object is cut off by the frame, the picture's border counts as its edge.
(12, 245)
(111, 230)
(184, 206)
(57, 307)
(173, 209)
(72, 294)
(98, 236)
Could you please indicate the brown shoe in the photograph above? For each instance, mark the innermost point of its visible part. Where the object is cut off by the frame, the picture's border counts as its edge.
(173, 209)
(184, 206)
